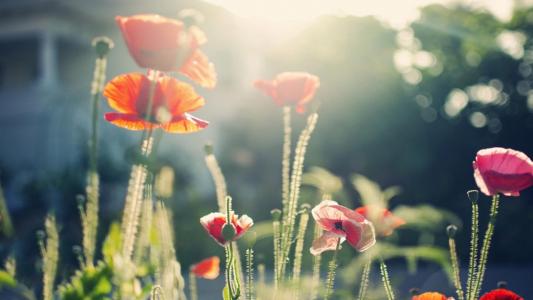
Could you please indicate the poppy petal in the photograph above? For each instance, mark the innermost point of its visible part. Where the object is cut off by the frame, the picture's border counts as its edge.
(359, 235)
(185, 124)
(208, 268)
(123, 91)
(200, 70)
(327, 241)
(180, 96)
(430, 296)
(128, 121)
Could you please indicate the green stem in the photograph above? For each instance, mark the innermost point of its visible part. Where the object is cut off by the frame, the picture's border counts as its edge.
(472, 265)
(484, 254)
(332, 267)
(286, 158)
(315, 278)
(249, 274)
(386, 280)
(193, 290)
(277, 258)
(455, 266)
(364, 279)
(298, 249)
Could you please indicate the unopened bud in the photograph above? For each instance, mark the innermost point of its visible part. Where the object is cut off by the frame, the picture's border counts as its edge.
(473, 195)
(502, 284)
(305, 208)
(40, 235)
(451, 230)
(228, 232)
(414, 291)
(102, 45)
(276, 214)
(76, 249)
(80, 199)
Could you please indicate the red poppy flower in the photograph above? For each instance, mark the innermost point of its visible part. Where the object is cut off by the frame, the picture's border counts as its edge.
(290, 88)
(383, 220)
(164, 44)
(506, 171)
(208, 268)
(172, 101)
(430, 296)
(501, 294)
(214, 222)
(341, 223)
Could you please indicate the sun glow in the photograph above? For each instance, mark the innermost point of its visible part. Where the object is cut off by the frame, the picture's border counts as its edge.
(396, 13)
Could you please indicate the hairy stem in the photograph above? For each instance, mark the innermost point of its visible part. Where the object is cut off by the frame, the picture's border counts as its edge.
(294, 194)
(286, 157)
(455, 266)
(484, 254)
(277, 258)
(50, 255)
(315, 278)
(386, 280)
(363, 286)
(193, 290)
(298, 249)
(472, 265)
(249, 274)
(332, 268)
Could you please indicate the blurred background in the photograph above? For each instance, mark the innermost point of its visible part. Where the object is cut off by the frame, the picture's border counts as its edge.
(410, 90)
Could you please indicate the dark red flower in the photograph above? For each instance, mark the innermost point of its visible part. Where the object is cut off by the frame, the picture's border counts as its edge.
(208, 268)
(501, 294)
(383, 220)
(290, 88)
(506, 171)
(164, 44)
(213, 223)
(172, 101)
(341, 223)
(430, 296)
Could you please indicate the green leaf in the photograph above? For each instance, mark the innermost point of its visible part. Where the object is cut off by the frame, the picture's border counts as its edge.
(426, 217)
(112, 243)
(225, 293)
(7, 280)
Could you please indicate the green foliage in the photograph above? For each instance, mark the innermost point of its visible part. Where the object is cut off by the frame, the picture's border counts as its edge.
(91, 283)
(371, 193)
(6, 280)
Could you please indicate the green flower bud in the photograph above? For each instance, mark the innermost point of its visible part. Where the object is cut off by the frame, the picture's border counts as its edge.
(473, 195)
(305, 208)
(451, 230)
(102, 45)
(208, 149)
(414, 291)
(276, 214)
(228, 232)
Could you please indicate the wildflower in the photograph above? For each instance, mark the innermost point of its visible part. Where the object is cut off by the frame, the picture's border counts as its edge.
(383, 220)
(506, 171)
(290, 88)
(215, 225)
(167, 45)
(341, 223)
(501, 294)
(208, 268)
(431, 296)
(172, 101)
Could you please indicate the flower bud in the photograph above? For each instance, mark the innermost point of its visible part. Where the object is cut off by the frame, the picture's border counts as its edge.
(414, 291)
(228, 232)
(102, 45)
(276, 214)
(208, 149)
(306, 208)
(473, 195)
(190, 17)
(502, 284)
(451, 230)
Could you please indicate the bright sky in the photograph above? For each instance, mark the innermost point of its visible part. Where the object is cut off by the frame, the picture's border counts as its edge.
(395, 12)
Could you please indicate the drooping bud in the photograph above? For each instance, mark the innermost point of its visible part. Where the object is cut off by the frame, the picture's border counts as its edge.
(502, 284)
(451, 230)
(228, 232)
(473, 195)
(102, 45)
(276, 214)
(414, 291)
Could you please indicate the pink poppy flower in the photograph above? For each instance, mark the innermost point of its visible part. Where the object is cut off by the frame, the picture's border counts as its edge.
(383, 220)
(342, 223)
(290, 88)
(500, 294)
(213, 223)
(499, 170)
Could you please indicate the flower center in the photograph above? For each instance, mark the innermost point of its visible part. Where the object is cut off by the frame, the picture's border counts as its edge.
(338, 226)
